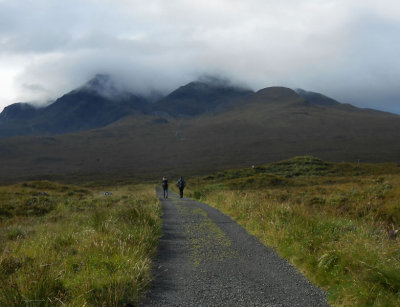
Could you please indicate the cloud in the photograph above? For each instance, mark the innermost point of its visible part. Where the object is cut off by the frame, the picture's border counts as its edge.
(346, 48)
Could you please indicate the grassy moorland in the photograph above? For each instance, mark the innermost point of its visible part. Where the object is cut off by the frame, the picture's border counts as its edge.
(336, 222)
(68, 245)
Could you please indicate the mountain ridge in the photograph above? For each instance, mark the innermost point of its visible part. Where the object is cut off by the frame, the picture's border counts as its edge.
(93, 105)
(252, 132)
(250, 128)
(196, 98)
(100, 102)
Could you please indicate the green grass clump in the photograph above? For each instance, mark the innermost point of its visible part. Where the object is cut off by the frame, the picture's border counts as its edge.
(336, 222)
(83, 248)
(306, 166)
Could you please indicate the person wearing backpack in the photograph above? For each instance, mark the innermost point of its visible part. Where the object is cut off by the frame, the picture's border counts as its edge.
(165, 186)
(181, 185)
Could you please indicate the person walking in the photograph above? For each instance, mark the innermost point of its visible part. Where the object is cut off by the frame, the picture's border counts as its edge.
(181, 185)
(165, 186)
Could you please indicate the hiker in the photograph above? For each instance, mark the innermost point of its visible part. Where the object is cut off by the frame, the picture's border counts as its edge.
(181, 185)
(165, 186)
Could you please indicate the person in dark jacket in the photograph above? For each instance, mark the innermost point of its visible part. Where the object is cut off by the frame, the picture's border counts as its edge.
(181, 185)
(165, 186)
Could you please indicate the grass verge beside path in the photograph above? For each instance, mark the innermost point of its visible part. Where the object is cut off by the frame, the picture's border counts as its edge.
(64, 244)
(337, 230)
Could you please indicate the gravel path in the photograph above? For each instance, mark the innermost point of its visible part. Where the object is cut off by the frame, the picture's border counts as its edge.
(206, 259)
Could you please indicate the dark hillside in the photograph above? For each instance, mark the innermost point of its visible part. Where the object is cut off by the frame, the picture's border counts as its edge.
(94, 105)
(101, 102)
(277, 95)
(18, 111)
(197, 98)
(84, 110)
(317, 98)
(14, 119)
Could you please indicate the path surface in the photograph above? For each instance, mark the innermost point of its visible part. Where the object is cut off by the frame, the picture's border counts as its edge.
(206, 259)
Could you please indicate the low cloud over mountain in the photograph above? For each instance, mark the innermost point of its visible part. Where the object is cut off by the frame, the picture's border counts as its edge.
(345, 49)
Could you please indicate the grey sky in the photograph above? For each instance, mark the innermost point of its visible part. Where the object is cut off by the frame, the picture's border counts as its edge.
(346, 49)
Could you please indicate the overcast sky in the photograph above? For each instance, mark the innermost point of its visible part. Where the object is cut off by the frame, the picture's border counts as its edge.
(346, 49)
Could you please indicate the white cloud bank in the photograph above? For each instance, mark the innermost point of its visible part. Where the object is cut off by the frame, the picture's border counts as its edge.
(348, 49)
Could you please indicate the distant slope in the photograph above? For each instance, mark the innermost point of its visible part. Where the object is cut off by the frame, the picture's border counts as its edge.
(270, 125)
(197, 98)
(15, 118)
(94, 105)
(100, 102)
(84, 109)
(317, 98)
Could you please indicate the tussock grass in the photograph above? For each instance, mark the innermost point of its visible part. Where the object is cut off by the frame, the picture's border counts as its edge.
(337, 229)
(63, 244)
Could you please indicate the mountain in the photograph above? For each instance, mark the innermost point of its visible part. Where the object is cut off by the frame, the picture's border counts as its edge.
(14, 120)
(100, 102)
(278, 96)
(272, 124)
(199, 97)
(318, 99)
(18, 111)
(96, 104)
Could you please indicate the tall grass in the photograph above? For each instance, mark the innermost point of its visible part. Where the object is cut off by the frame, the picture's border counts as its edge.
(67, 245)
(338, 230)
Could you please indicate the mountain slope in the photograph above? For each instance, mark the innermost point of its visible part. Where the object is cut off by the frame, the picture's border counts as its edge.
(197, 98)
(18, 111)
(83, 110)
(270, 125)
(94, 105)
(317, 98)
(100, 102)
